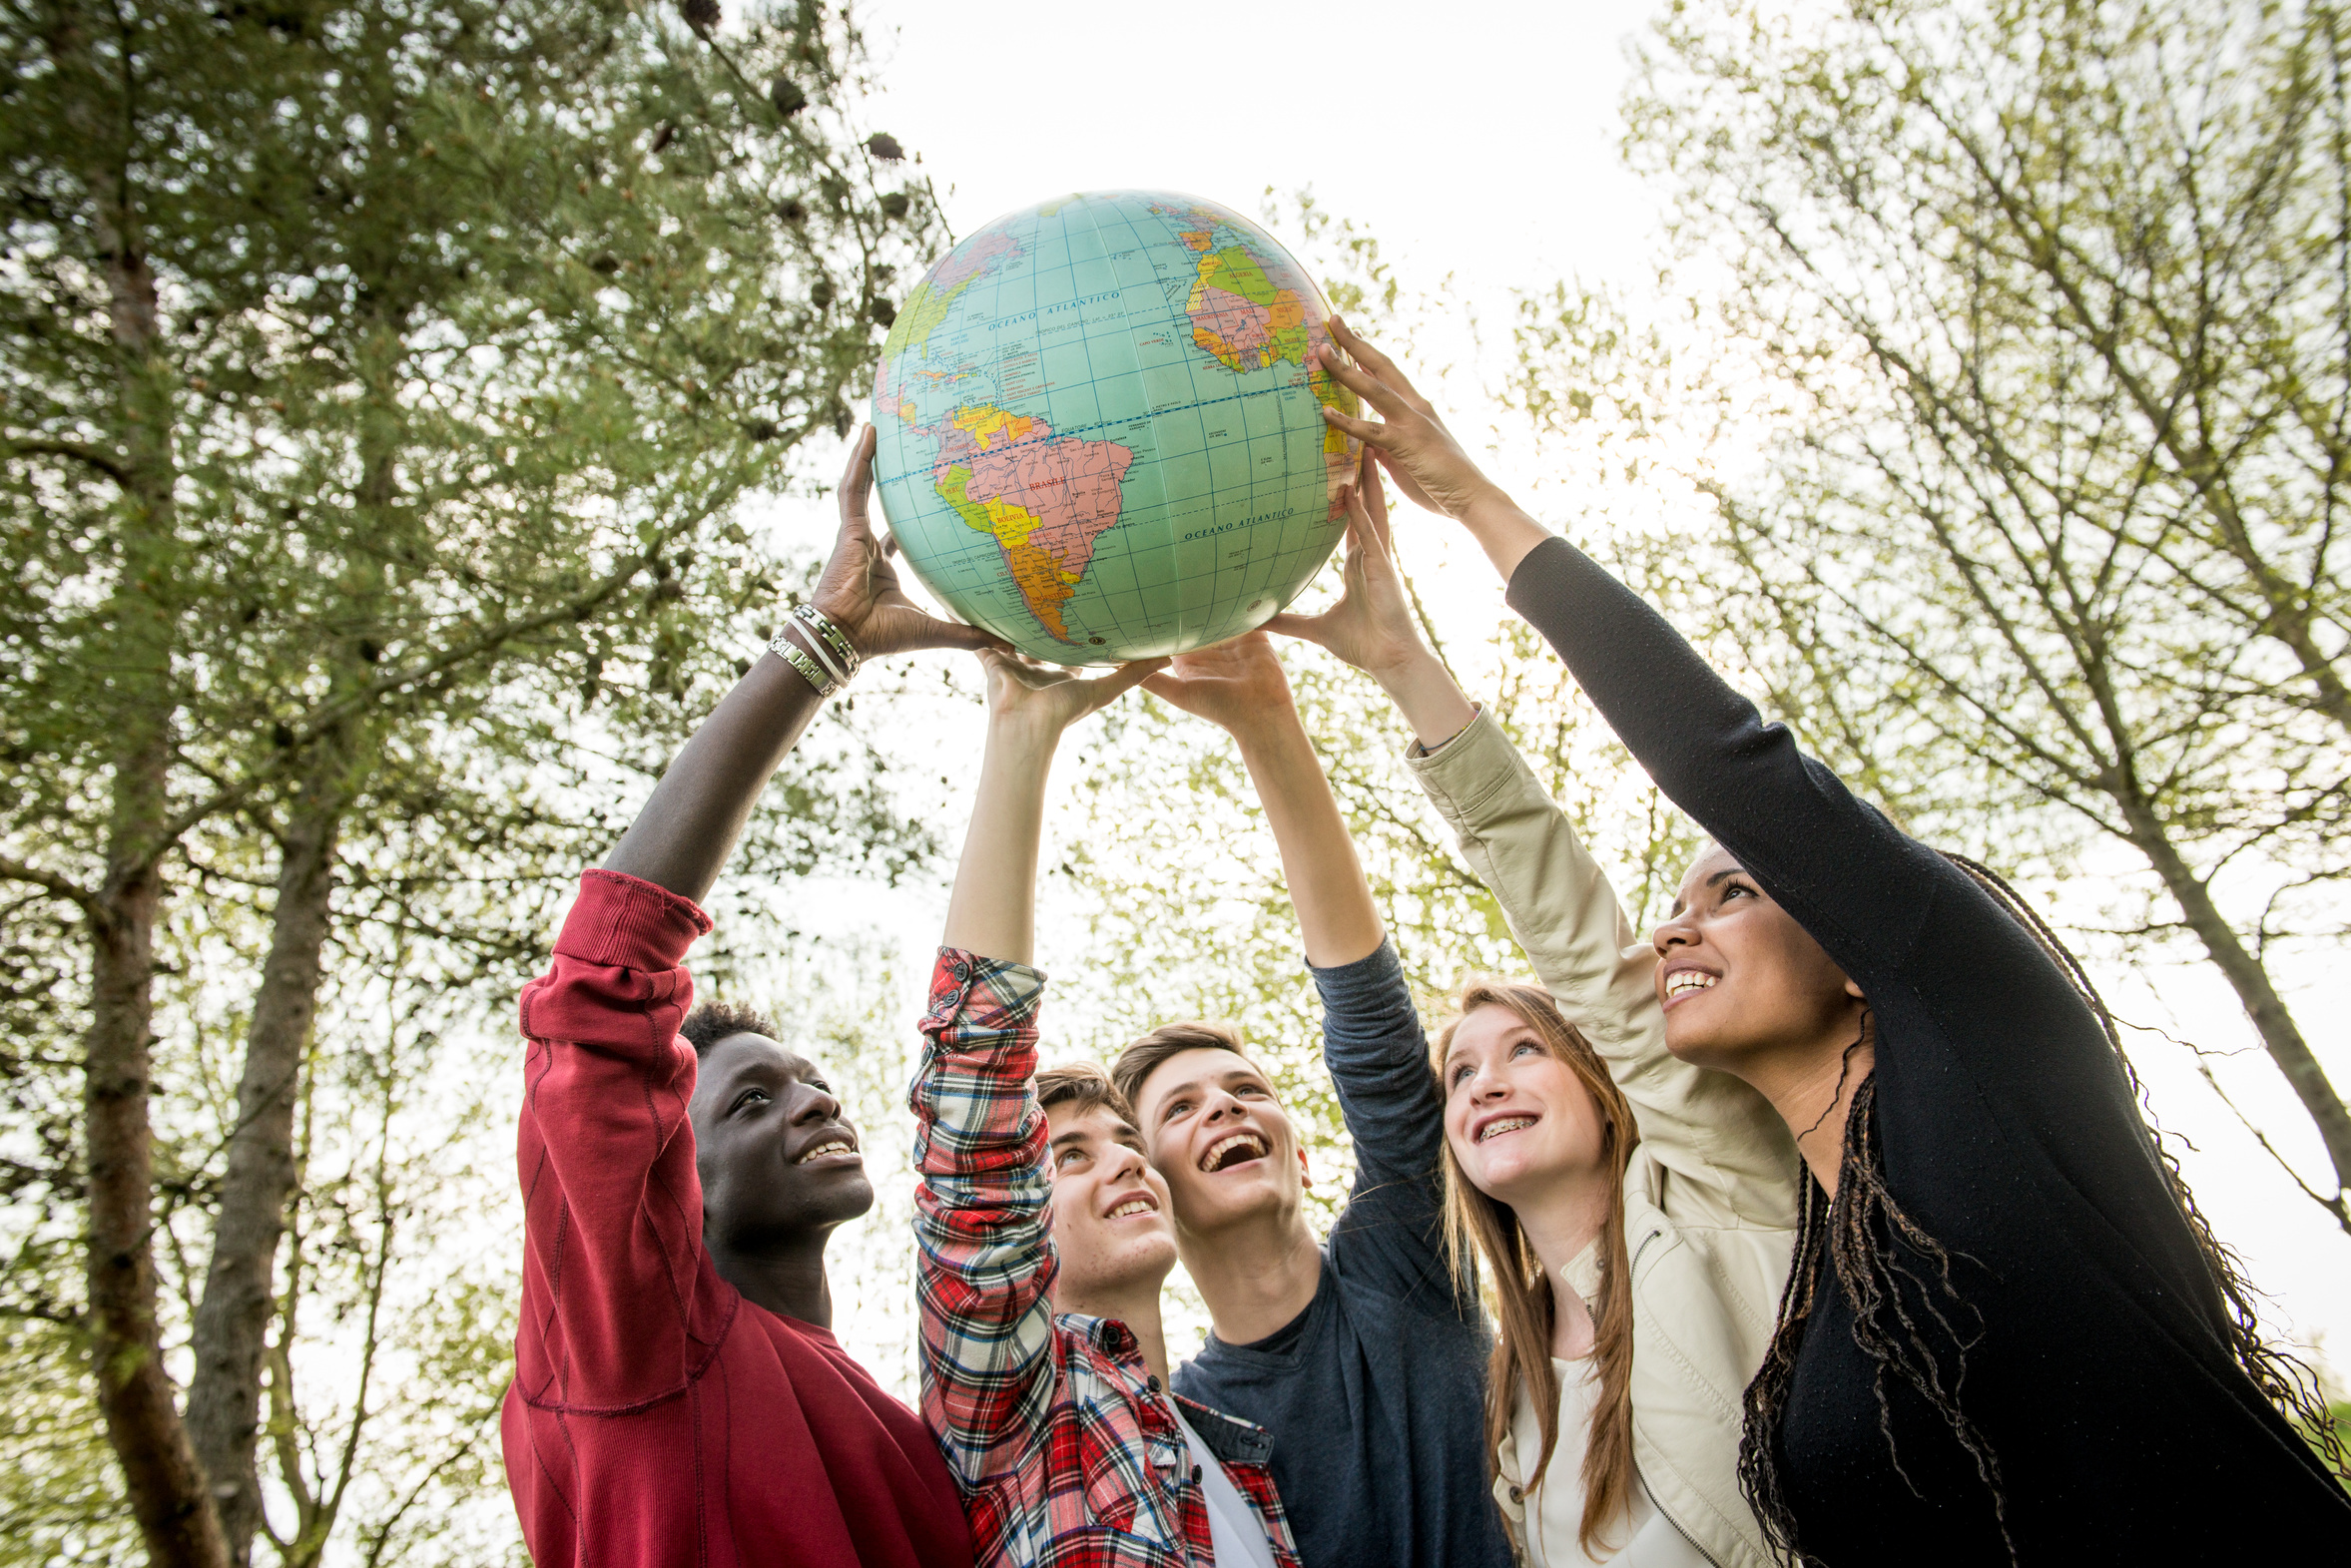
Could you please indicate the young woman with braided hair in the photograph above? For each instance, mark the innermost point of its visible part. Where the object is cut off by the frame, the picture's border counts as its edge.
(2007, 1337)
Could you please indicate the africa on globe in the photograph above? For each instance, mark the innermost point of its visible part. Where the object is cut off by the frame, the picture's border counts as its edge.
(1100, 432)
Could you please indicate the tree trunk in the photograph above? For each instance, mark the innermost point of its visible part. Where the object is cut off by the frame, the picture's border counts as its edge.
(160, 1469)
(2274, 1021)
(233, 1317)
(165, 1483)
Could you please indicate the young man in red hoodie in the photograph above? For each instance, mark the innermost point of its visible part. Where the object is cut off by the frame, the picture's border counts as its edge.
(678, 1396)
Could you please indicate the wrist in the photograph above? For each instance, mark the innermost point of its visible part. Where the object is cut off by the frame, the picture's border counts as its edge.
(1265, 724)
(1490, 507)
(1023, 736)
(1430, 701)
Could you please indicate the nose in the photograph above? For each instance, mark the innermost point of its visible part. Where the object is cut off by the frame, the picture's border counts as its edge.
(1125, 1164)
(815, 1105)
(1679, 931)
(1219, 1105)
(1485, 1084)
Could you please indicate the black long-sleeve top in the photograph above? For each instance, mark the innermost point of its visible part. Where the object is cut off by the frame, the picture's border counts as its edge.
(2095, 1359)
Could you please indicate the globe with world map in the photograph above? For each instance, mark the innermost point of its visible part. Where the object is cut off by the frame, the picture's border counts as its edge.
(1099, 431)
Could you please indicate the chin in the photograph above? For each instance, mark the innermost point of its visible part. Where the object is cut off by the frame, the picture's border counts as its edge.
(1229, 1206)
(850, 1199)
(1692, 1045)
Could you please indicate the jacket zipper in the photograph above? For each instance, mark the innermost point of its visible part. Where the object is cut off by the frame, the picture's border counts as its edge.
(1662, 1512)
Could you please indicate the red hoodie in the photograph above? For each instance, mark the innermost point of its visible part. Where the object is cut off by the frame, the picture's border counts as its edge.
(656, 1416)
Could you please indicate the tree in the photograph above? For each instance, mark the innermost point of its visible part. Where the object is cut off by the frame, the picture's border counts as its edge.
(381, 379)
(2052, 305)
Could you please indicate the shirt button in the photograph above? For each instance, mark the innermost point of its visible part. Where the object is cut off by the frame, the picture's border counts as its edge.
(1516, 1495)
(1195, 1476)
(1152, 1383)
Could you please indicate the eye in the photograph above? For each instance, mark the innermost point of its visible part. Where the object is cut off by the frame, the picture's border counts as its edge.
(1249, 1091)
(749, 1098)
(1732, 890)
(1458, 1075)
(1524, 1048)
(1068, 1156)
(1174, 1109)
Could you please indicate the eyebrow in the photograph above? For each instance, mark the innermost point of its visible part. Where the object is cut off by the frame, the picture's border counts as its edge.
(1229, 1076)
(1715, 880)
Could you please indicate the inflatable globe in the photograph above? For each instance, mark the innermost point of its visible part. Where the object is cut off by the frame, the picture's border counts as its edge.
(1099, 428)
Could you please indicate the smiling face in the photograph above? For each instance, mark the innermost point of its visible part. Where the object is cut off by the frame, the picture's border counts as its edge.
(1518, 1119)
(1740, 979)
(1110, 1221)
(776, 1157)
(1219, 1137)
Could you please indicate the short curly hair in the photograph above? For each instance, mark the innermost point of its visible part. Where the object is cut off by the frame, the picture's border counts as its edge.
(712, 1022)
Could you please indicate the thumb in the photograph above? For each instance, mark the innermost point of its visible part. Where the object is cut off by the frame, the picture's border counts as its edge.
(1305, 628)
(1110, 688)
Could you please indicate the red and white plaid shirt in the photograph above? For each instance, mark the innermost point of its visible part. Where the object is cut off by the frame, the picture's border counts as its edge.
(1061, 1441)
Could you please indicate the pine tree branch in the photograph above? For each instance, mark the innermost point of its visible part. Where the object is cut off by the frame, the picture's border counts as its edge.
(90, 455)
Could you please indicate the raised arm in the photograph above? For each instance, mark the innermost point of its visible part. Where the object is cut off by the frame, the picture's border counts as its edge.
(1372, 1037)
(1707, 1127)
(620, 1299)
(986, 1259)
(689, 826)
(1858, 884)
(1239, 685)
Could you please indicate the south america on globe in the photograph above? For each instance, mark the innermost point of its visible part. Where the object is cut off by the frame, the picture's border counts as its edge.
(1100, 431)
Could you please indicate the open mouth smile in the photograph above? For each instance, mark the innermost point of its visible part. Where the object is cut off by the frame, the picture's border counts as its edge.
(834, 1144)
(1233, 1148)
(1134, 1207)
(1504, 1124)
(1688, 983)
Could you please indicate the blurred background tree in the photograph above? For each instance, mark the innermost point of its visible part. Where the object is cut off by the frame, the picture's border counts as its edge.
(2043, 314)
(382, 384)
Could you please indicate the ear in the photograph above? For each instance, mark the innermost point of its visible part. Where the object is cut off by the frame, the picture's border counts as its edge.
(1852, 990)
(1306, 1177)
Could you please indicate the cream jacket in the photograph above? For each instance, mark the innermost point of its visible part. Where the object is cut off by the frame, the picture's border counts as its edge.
(1711, 1191)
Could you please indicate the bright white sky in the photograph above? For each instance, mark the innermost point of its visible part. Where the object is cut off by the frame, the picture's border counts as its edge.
(1480, 144)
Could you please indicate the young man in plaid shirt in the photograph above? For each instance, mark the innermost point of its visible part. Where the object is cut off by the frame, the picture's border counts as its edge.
(1044, 1236)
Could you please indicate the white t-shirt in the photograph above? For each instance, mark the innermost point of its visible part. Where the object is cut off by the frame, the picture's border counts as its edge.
(1233, 1527)
(1555, 1499)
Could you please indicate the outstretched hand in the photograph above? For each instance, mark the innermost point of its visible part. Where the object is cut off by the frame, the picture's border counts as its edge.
(1370, 626)
(1042, 700)
(1414, 445)
(1235, 683)
(858, 590)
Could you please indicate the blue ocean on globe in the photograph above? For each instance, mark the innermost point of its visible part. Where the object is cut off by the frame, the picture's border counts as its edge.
(1099, 428)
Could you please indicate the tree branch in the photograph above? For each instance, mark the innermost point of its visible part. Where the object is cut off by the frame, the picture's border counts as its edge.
(57, 886)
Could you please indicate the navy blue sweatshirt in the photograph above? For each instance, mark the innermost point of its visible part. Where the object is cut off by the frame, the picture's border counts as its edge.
(1374, 1395)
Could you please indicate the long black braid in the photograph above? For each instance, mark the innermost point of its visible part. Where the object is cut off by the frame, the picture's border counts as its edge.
(1877, 1252)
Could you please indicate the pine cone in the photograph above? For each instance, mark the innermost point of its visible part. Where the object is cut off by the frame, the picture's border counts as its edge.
(895, 204)
(885, 147)
(785, 95)
(883, 312)
(700, 15)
